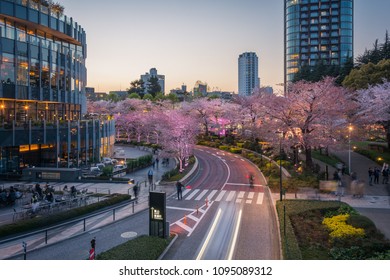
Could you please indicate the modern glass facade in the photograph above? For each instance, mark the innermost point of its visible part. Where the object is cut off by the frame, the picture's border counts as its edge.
(317, 30)
(42, 89)
(248, 73)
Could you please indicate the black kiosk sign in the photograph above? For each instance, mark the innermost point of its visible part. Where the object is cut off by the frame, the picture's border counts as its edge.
(157, 214)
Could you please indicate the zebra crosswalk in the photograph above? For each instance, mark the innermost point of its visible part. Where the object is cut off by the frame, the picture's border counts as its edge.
(247, 197)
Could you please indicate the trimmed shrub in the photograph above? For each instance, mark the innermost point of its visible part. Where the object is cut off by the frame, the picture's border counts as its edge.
(141, 248)
(340, 229)
(235, 150)
(224, 148)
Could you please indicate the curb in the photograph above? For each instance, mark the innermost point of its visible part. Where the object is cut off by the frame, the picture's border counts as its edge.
(168, 247)
(191, 171)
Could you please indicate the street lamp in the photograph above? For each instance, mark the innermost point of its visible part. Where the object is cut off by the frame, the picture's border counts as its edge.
(280, 164)
(349, 148)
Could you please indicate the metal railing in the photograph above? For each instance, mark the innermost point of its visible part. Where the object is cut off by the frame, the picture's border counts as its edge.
(84, 219)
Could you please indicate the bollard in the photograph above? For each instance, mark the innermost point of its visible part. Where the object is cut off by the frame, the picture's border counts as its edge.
(197, 209)
(185, 219)
(207, 202)
(24, 244)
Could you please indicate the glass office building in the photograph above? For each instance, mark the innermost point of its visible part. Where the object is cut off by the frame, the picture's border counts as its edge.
(42, 90)
(248, 73)
(316, 30)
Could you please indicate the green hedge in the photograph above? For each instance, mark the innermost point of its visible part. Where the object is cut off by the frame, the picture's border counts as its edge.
(138, 163)
(38, 222)
(141, 248)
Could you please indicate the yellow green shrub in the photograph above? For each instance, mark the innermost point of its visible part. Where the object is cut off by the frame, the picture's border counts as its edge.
(340, 229)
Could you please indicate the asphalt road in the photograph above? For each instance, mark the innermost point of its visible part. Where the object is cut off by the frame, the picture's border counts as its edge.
(240, 223)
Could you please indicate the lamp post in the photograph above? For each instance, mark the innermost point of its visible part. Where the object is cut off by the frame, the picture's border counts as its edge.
(349, 148)
(280, 165)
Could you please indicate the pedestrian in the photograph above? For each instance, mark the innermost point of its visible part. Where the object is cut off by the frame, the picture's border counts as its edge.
(353, 176)
(370, 175)
(376, 175)
(336, 175)
(150, 176)
(136, 189)
(157, 160)
(39, 191)
(385, 174)
(34, 202)
(153, 163)
(179, 187)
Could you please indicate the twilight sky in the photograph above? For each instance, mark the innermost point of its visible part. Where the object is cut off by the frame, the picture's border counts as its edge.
(190, 40)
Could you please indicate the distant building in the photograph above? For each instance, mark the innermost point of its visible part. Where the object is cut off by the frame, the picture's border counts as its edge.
(221, 94)
(200, 88)
(153, 73)
(248, 73)
(269, 90)
(94, 96)
(122, 94)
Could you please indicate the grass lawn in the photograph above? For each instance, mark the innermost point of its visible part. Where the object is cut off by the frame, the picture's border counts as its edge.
(304, 236)
(330, 160)
(375, 155)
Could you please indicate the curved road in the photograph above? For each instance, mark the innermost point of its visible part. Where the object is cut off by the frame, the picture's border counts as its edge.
(238, 223)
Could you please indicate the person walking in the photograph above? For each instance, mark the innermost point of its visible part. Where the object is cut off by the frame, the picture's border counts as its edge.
(136, 189)
(179, 189)
(385, 174)
(376, 175)
(370, 176)
(150, 176)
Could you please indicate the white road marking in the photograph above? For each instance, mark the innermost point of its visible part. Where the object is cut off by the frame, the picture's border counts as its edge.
(178, 208)
(185, 192)
(251, 195)
(260, 198)
(187, 228)
(211, 195)
(240, 197)
(231, 195)
(192, 194)
(199, 197)
(219, 197)
(193, 218)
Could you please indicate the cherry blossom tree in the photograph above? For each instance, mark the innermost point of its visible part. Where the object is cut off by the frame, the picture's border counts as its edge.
(375, 105)
(178, 135)
(311, 114)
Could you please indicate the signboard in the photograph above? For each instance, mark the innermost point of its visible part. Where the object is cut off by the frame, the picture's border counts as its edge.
(157, 214)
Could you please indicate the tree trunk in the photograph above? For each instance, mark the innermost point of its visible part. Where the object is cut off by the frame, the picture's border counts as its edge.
(388, 134)
(309, 160)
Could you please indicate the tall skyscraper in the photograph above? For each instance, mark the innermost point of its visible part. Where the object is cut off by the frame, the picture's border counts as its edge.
(314, 31)
(248, 73)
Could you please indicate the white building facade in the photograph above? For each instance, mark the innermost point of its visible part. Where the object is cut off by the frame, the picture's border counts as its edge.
(248, 73)
(153, 73)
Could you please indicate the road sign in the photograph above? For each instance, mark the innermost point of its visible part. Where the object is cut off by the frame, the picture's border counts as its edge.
(157, 214)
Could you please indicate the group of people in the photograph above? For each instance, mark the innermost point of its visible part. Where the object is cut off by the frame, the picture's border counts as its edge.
(9, 197)
(374, 174)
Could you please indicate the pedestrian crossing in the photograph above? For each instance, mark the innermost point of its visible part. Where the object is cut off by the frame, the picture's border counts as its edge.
(240, 196)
